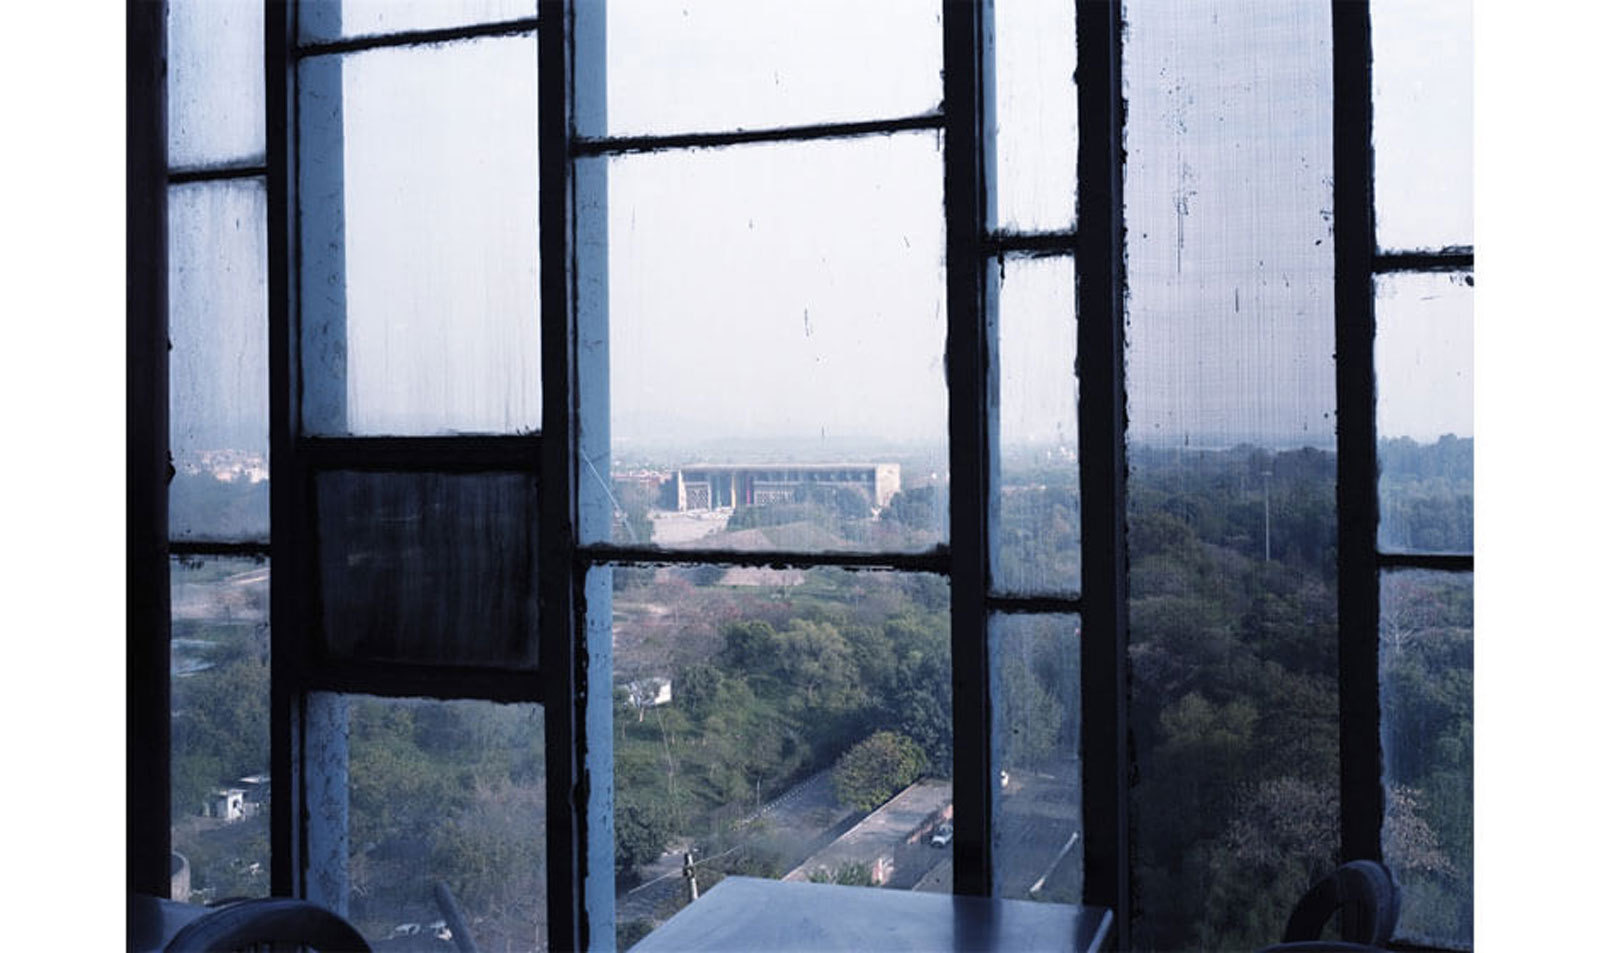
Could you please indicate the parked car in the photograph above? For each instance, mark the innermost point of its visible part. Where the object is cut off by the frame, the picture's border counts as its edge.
(941, 836)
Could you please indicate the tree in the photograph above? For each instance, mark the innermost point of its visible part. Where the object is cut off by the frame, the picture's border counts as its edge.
(642, 831)
(877, 769)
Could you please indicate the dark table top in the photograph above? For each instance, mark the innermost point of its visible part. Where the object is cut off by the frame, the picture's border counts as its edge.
(753, 916)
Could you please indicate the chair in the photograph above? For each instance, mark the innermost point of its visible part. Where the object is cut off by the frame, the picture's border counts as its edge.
(271, 920)
(1363, 893)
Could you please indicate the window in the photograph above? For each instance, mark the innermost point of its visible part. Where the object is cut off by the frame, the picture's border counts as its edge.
(682, 418)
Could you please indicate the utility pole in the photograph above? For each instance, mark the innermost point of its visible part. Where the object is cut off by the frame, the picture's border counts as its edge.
(1266, 508)
(688, 875)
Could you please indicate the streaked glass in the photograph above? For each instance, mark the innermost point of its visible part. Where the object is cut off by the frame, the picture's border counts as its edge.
(419, 240)
(1036, 119)
(1424, 358)
(216, 83)
(1425, 638)
(429, 567)
(217, 324)
(1422, 123)
(1036, 545)
(719, 65)
(221, 750)
(783, 723)
(446, 794)
(776, 338)
(1232, 522)
(322, 20)
(1038, 815)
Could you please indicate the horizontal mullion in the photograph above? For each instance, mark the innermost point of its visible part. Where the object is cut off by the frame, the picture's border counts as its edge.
(206, 547)
(221, 173)
(937, 561)
(1035, 605)
(620, 145)
(463, 454)
(417, 37)
(1452, 258)
(1436, 561)
(1030, 245)
(402, 680)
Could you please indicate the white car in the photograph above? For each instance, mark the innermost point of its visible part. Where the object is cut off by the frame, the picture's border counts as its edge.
(941, 836)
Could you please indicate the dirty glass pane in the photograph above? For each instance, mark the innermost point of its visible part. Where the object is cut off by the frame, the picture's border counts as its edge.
(217, 321)
(216, 83)
(1232, 523)
(1422, 122)
(1423, 354)
(429, 567)
(1036, 121)
(442, 797)
(221, 791)
(782, 723)
(718, 65)
(1036, 545)
(1425, 665)
(419, 195)
(337, 19)
(1038, 832)
(776, 346)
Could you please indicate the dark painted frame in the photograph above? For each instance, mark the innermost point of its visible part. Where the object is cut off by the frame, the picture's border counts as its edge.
(561, 682)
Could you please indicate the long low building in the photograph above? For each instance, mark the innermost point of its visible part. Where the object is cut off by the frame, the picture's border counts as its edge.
(717, 486)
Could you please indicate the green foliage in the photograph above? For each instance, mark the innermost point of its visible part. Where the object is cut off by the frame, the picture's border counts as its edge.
(850, 875)
(643, 828)
(878, 768)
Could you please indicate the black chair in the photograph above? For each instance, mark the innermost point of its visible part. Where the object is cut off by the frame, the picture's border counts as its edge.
(1366, 898)
(271, 920)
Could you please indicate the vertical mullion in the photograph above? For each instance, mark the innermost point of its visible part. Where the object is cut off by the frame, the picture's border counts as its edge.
(561, 655)
(1360, 743)
(148, 571)
(287, 493)
(967, 357)
(1102, 429)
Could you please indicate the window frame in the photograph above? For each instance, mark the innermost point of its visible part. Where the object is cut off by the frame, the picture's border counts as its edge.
(578, 823)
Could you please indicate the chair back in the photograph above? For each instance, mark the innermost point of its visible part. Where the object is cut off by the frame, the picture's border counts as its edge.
(1365, 895)
(271, 920)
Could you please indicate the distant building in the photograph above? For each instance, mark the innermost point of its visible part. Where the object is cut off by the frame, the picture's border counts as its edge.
(226, 804)
(717, 486)
(650, 692)
(878, 841)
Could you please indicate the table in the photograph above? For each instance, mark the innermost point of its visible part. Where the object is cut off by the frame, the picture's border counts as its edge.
(749, 915)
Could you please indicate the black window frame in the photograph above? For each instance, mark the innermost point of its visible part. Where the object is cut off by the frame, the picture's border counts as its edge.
(561, 683)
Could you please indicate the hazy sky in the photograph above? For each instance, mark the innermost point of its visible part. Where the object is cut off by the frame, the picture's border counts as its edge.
(796, 291)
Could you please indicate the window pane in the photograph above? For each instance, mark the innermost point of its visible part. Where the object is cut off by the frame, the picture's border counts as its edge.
(429, 567)
(221, 755)
(1425, 657)
(1422, 122)
(1231, 493)
(777, 335)
(713, 65)
(783, 723)
(444, 794)
(336, 19)
(1036, 122)
(419, 202)
(1034, 667)
(1036, 547)
(216, 83)
(217, 268)
(1423, 354)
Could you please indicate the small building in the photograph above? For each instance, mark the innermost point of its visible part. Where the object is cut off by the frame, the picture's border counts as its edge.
(226, 804)
(878, 841)
(650, 692)
(722, 486)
